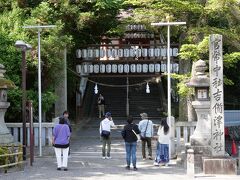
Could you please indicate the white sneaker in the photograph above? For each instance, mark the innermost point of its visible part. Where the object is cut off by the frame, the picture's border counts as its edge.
(109, 157)
(103, 157)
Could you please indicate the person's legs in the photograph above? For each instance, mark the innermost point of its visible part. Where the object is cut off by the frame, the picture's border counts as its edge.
(99, 111)
(108, 146)
(149, 145)
(143, 149)
(166, 153)
(103, 109)
(65, 157)
(104, 146)
(133, 153)
(157, 158)
(128, 153)
(58, 157)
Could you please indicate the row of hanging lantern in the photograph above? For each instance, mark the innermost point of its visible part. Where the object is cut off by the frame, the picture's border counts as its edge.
(96, 88)
(125, 68)
(127, 52)
(135, 27)
(138, 35)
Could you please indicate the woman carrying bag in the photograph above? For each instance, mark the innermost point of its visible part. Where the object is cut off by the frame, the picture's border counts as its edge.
(130, 135)
(162, 153)
(61, 136)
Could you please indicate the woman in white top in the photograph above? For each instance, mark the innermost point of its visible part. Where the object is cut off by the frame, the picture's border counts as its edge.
(162, 154)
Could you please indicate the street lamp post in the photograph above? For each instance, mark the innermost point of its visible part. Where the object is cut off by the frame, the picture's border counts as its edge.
(24, 47)
(39, 27)
(168, 24)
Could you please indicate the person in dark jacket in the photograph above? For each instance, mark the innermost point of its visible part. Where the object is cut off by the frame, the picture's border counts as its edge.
(65, 116)
(129, 134)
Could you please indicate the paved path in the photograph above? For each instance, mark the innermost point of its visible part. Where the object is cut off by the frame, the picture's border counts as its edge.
(86, 163)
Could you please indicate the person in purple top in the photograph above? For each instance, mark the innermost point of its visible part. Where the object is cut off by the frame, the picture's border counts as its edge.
(61, 136)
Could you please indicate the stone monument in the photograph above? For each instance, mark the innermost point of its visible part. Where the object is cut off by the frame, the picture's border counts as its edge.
(208, 141)
(5, 135)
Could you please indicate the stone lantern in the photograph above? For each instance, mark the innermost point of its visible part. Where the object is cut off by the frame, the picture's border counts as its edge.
(200, 82)
(200, 141)
(5, 135)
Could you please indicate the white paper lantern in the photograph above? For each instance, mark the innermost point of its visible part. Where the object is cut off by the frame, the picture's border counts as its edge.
(133, 68)
(97, 53)
(96, 68)
(84, 53)
(85, 68)
(138, 52)
(120, 52)
(108, 68)
(157, 68)
(126, 52)
(90, 53)
(131, 53)
(109, 53)
(163, 52)
(102, 68)
(163, 67)
(78, 53)
(78, 69)
(151, 68)
(175, 52)
(114, 68)
(151, 52)
(114, 53)
(157, 52)
(102, 53)
(139, 68)
(120, 68)
(144, 52)
(90, 68)
(126, 68)
(171, 51)
(145, 68)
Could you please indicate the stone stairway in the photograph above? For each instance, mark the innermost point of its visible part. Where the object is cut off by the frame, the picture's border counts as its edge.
(116, 98)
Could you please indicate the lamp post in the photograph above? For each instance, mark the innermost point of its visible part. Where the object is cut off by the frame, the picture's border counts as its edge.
(39, 81)
(24, 47)
(168, 24)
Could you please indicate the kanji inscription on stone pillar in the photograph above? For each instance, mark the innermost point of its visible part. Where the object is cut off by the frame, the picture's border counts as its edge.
(216, 95)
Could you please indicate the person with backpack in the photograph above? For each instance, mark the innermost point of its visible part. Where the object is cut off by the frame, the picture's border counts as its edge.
(130, 135)
(105, 134)
(162, 153)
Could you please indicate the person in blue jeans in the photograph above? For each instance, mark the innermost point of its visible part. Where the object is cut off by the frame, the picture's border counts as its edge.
(129, 134)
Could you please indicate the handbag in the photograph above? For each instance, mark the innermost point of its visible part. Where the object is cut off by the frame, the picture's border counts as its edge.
(105, 133)
(143, 137)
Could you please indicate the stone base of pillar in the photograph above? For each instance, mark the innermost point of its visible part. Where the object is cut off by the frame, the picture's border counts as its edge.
(6, 138)
(225, 165)
(200, 152)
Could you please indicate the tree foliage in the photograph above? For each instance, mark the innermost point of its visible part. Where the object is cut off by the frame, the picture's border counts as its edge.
(81, 22)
